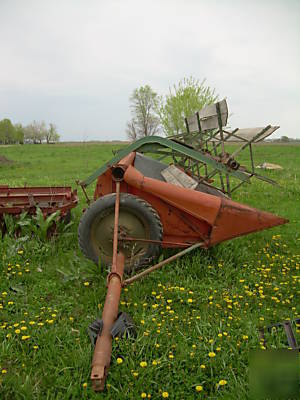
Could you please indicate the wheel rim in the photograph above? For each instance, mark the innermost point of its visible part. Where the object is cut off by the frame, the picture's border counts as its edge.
(130, 224)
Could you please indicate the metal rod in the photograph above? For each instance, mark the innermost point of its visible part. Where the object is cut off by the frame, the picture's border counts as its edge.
(102, 352)
(161, 242)
(161, 264)
(116, 227)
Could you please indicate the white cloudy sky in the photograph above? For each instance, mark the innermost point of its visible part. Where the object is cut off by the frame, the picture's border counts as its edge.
(76, 62)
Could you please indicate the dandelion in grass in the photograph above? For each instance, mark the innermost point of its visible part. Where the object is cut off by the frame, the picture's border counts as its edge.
(143, 364)
(86, 283)
(84, 385)
(199, 388)
(119, 360)
(211, 354)
(165, 395)
(222, 382)
(143, 395)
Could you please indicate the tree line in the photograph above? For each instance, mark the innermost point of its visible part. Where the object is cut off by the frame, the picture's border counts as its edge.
(153, 114)
(36, 132)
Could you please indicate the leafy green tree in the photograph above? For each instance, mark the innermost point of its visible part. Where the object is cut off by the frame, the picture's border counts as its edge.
(183, 100)
(7, 131)
(284, 139)
(19, 133)
(144, 106)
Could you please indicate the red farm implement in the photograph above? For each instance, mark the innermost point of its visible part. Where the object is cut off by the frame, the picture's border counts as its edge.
(166, 193)
(17, 200)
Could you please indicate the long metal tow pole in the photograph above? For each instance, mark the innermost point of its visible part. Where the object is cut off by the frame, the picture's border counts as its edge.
(103, 347)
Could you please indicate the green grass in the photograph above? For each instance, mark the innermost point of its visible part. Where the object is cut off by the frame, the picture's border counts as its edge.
(210, 301)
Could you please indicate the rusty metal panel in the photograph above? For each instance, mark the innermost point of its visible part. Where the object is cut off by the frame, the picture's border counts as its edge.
(49, 199)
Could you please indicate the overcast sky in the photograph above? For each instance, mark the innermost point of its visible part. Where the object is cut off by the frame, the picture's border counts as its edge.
(75, 63)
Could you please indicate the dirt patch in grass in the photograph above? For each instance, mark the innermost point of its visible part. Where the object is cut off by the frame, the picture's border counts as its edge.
(4, 160)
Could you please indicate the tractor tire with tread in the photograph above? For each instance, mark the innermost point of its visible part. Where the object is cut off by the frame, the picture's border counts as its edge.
(137, 219)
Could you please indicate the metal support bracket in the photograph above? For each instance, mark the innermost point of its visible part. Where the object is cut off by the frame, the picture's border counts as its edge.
(287, 326)
(123, 328)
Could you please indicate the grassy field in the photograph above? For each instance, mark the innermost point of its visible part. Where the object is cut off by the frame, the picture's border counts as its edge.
(197, 319)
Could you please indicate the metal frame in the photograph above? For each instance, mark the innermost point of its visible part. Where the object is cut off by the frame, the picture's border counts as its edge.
(201, 153)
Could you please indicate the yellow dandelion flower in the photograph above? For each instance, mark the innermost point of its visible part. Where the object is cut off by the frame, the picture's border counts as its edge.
(86, 283)
(25, 337)
(135, 374)
(17, 331)
(4, 371)
(199, 388)
(23, 328)
(165, 395)
(211, 354)
(202, 366)
(143, 395)
(119, 360)
(222, 382)
(189, 300)
(154, 362)
(84, 385)
(143, 364)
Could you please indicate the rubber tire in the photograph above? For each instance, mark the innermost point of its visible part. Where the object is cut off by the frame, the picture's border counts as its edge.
(140, 208)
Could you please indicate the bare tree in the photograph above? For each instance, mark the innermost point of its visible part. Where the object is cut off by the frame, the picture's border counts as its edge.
(35, 132)
(145, 121)
(51, 134)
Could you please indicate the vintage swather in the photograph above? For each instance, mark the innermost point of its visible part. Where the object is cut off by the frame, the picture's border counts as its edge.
(179, 198)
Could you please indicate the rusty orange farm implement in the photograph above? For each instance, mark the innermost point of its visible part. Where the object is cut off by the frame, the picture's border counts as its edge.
(17, 200)
(166, 193)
